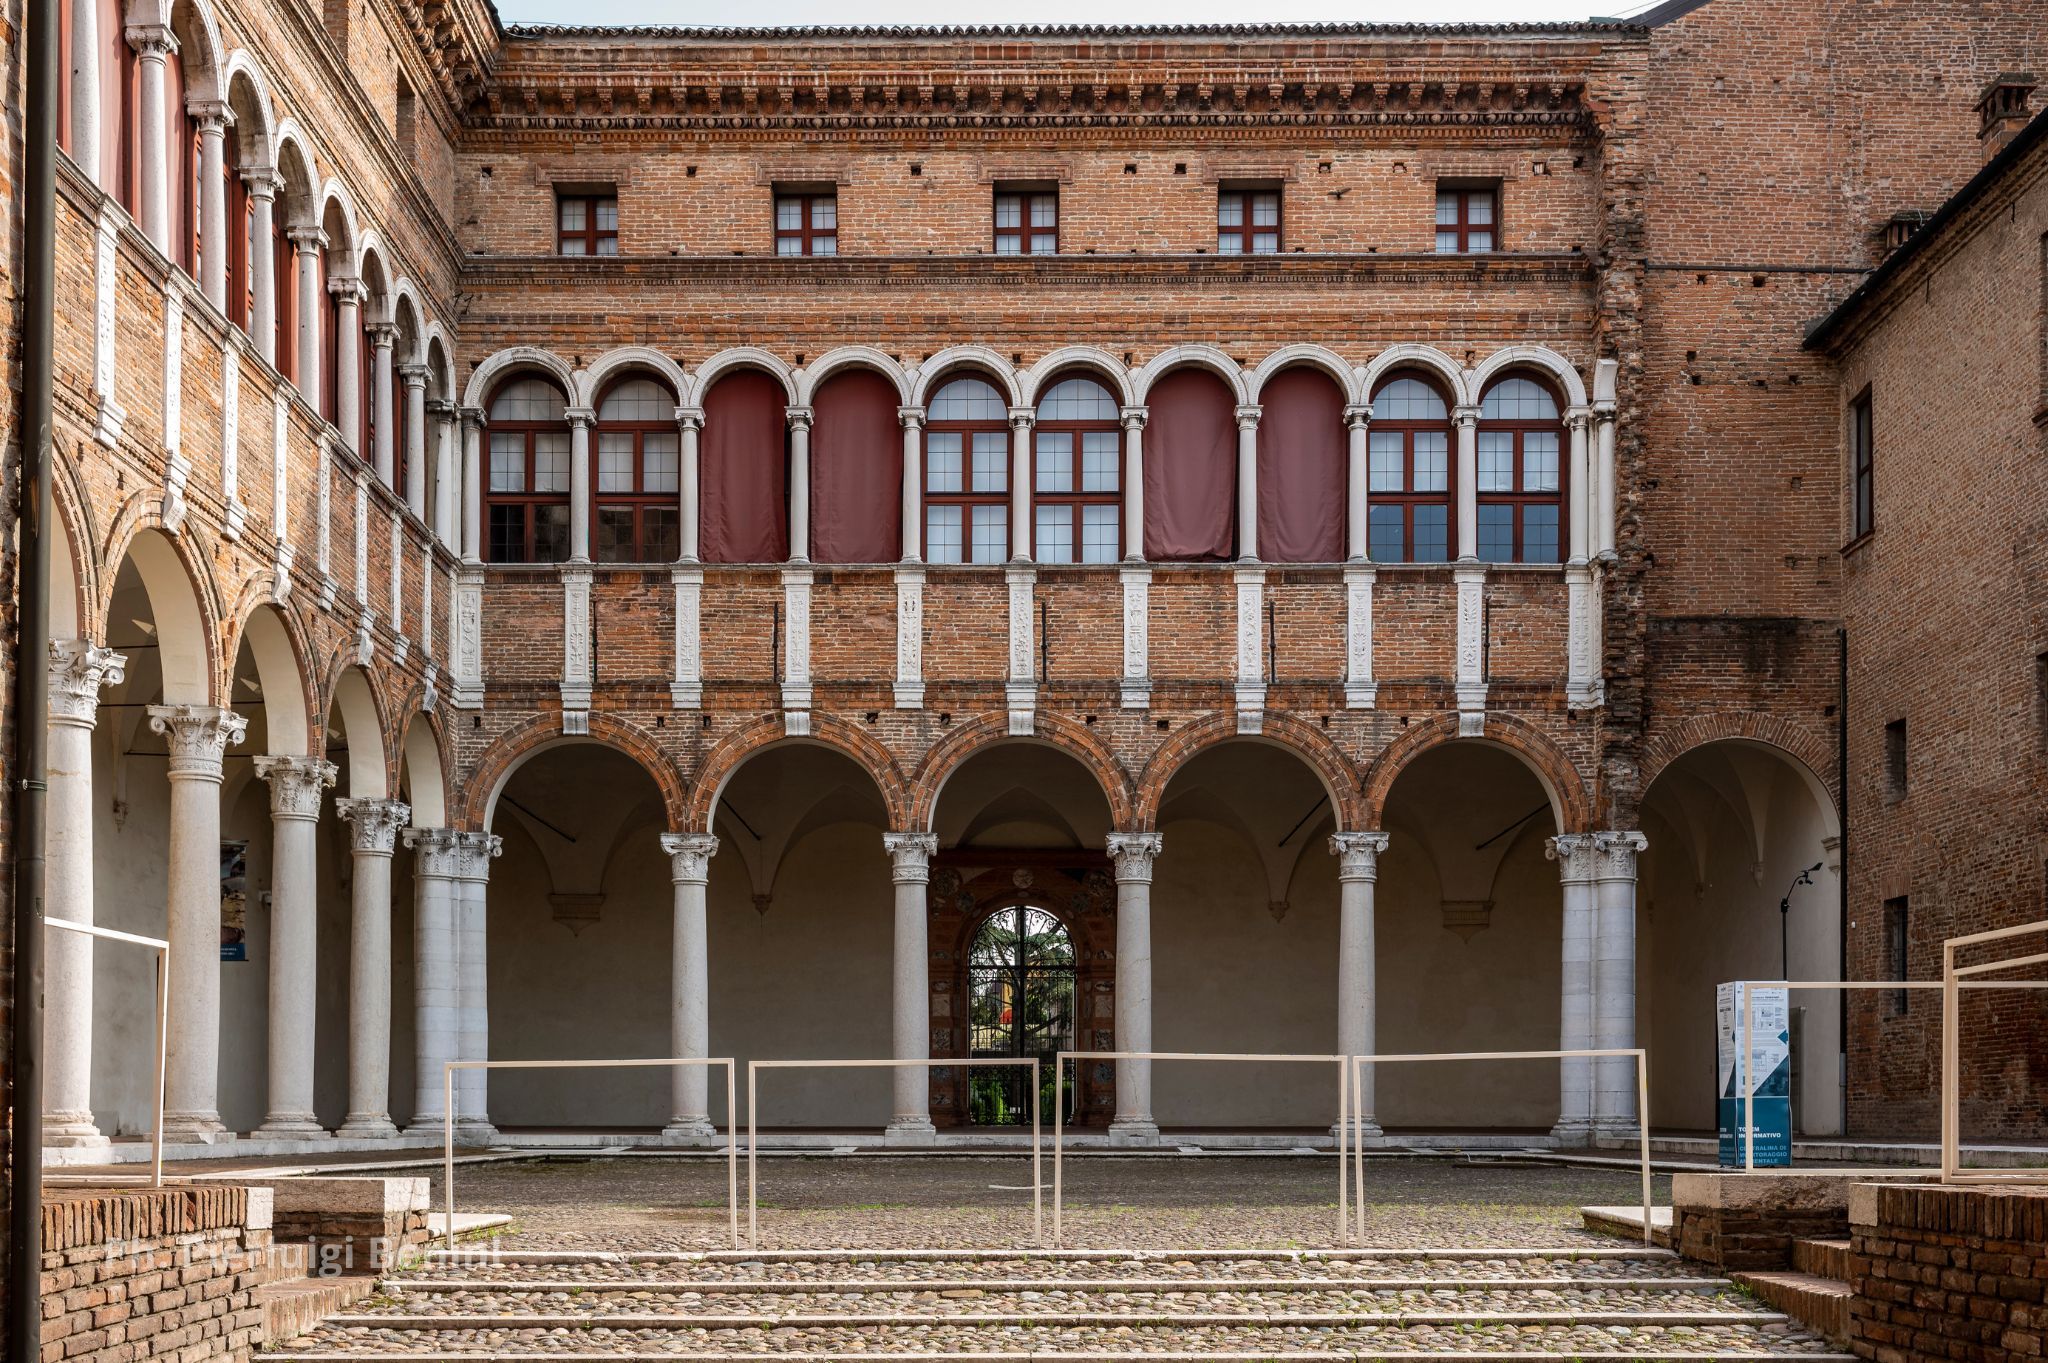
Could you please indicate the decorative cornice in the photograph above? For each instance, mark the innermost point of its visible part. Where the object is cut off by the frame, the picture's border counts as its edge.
(198, 737)
(295, 785)
(373, 823)
(77, 672)
(910, 856)
(689, 856)
(1133, 854)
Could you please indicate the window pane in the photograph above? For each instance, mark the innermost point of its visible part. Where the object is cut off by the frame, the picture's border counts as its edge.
(991, 533)
(1539, 534)
(1230, 210)
(824, 214)
(1056, 534)
(942, 462)
(1055, 461)
(508, 461)
(1389, 472)
(661, 537)
(789, 246)
(1098, 461)
(1009, 244)
(1384, 536)
(1408, 400)
(1230, 245)
(942, 534)
(607, 246)
(660, 463)
(614, 538)
(1077, 399)
(789, 214)
(824, 246)
(607, 215)
(991, 461)
(550, 533)
(1447, 243)
(1479, 241)
(1539, 461)
(573, 246)
(1447, 208)
(614, 462)
(573, 219)
(1045, 210)
(1432, 462)
(1009, 211)
(1517, 400)
(1265, 210)
(1265, 243)
(1497, 534)
(528, 400)
(1432, 534)
(968, 399)
(508, 534)
(551, 461)
(1479, 210)
(1496, 461)
(638, 400)
(1099, 534)
(1045, 244)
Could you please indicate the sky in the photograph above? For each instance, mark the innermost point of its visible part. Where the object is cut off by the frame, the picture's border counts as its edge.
(1055, 11)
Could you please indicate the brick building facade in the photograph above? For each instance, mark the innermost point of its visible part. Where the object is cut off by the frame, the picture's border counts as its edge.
(755, 507)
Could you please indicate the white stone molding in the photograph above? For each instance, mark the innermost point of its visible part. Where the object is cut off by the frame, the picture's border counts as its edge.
(177, 469)
(1248, 482)
(109, 415)
(374, 823)
(402, 645)
(78, 670)
(1133, 419)
(911, 419)
(1133, 854)
(909, 684)
(1409, 355)
(362, 544)
(1583, 688)
(945, 365)
(280, 473)
(686, 691)
(799, 419)
(1251, 658)
(1209, 357)
(689, 856)
(427, 605)
(1020, 691)
(1316, 357)
(469, 641)
(296, 784)
(1536, 357)
(1361, 689)
(1022, 420)
(1606, 380)
(796, 651)
(1135, 691)
(230, 435)
(1470, 686)
(576, 660)
(323, 518)
(593, 378)
(813, 375)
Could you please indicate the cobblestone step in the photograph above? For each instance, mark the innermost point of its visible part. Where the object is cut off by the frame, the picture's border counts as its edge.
(1101, 1286)
(531, 1318)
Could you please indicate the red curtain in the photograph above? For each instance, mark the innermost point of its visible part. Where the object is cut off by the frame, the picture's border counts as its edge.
(745, 471)
(1301, 468)
(856, 470)
(1190, 468)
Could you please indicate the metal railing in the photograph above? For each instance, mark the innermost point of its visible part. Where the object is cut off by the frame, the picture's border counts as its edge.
(753, 1107)
(1640, 1056)
(1060, 1060)
(1953, 982)
(732, 1204)
(163, 1014)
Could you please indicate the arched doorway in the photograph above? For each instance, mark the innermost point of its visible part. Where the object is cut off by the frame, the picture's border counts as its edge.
(1020, 1005)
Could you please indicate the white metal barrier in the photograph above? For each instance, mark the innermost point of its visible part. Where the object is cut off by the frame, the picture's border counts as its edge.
(1953, 982)
(732, 1204)
(1344, 1123)
(976, 1062)
(163, 1013)
(1640, 1056)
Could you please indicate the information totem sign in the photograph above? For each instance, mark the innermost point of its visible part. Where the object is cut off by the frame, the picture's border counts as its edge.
(1766, 1072)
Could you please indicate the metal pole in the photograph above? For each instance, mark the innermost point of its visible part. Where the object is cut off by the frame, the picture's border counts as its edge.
(1643, 1133)
(1748, 1080)
(753, 1204)
(163, 1041)
(1343, 1124)
(1059, 1127)
(448, 1150)
(1037, 1158)
(32, 682)
(732, 1158)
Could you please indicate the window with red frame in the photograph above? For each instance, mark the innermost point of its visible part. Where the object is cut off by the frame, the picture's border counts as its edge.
(1862, 469)
(1467, 219)
(1077, 482)
(526, 500)
(587, 225)
(1521, 473)
(807, 224)
(1248, 221)
(284, 284)
(1027, 221)
(240, 221)
(1408, 515)
(636, 476)
(967, 474)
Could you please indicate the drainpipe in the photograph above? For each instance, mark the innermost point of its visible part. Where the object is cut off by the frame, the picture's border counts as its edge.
(1842, 879)
(31, 688)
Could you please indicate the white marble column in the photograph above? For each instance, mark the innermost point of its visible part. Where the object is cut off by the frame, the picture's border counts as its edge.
(262, 186)
(1022, 420)
(473, 486)
(213, 201)
(442, 504)
(689, 870)
(1248, 482)
(910, 866)
(912, 421)
(1614, 980)
(198, 737)
(1358, 857)
(689, 484)
(1133, 854)
(373, 833)
(799, 419)
(77, 672)
(307, 244)
(415, 378)
(472, 1087)
(436, 1031)
(85, 88)
(348, 362)
(580, 421)
(153, 44)
(1134, 483)
(384, 412)
(1357, 484)
(296, 786)
(1574, 855)
(1467, 544)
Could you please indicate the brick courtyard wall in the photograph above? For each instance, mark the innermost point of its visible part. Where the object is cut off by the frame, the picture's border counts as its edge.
(1949, 1273)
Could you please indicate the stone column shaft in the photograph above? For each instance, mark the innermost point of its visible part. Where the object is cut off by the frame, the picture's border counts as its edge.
(1133, 854)
(415, 376)
(1357, 970)
(442, 503)
(383, 401)
(912, 421)
(1467, 545)
(689, 421)
(472, 1087)
(1573, 853)
(296, 784)
(1134, 482)
(85, 89)
(436, 998)
(213, 206)
(153, 46)
(1248, 482)
(799, 419)
(1357, 483)
(473, 485)
(910, 858)
(308, 243)
(1022, 420)
(373, 825)
(1614, 980)
(262, 263)
(690, 857)
(348, 363)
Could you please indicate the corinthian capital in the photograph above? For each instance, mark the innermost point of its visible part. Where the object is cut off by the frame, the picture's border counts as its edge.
(295, 784)
(1573, 853)
(1616, 852)
(199, 736)
(476, 851)
(1133, 854)
(1358, 854)
(77, 672)
(374, 823)
(437, 852)
(689, 856)
(910, 856)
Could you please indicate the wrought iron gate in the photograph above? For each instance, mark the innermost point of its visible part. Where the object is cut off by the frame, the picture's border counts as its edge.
(1020, 1002)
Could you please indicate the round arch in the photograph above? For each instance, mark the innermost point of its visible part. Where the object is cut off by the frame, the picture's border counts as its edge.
(495, 766)
(734, 750)
(298, 173)
(1314, 357)
(1207, 357)
(809, 378)
(977, 736)
(1553, 770)
(419, 755)
(180, 599)
(74, 577)
(267, 630)
(248, 96)
(199, 44)
(373, 271)
(1339, 777)
(512, 359)
(338, 206)
(739, 357)
(625, 359)
(1806, 751)
(352, 696)
(930, 376)
(1540, 358)
(1094, 359)
(1411, 356)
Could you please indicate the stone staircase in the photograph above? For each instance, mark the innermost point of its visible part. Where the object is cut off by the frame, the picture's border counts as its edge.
(293, 1301)
(1815, 1292)
(1593, 1305)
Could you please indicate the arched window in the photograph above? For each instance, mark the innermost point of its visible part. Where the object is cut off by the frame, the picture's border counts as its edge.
(638, 475)
(1408, 519)
(743, 459)
(1077, 475)
(1021, 988)
(1302, 455)
(967, 474)
(1521, 473)
(856, 469)
(1190, 468)
(527, 506)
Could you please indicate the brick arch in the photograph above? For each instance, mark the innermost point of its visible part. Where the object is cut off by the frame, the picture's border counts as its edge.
(1560, 779)
(1797, 743)
(498, 761)
(411, 709)
(142, 512)
(1336, 772)
(977, 735)
(732, 752)
(257, 592)
(340, 659)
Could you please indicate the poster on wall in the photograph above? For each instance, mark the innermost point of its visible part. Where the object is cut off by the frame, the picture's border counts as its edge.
(234, 901)
(1766, 1072)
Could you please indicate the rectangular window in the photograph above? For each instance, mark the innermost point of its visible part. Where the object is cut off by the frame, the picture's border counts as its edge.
(1896, 955)
(587, 225)
(1862, 469)
(1895, 759)
(1467, 219)
(1248, 221)
(1027, 221)
(807, 224)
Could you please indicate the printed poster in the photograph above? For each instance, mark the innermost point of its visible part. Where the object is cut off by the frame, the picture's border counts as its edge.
(1768, 1072)
(234, 901)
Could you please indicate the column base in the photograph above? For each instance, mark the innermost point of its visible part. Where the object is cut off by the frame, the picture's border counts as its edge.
(690, 1131)
(373, 1127)
(1617, 1129)
(195, 1128)
(296, 1127)
(1572, 1133)
(72, 1131)
(1133, 1131)
(910, 1131)
(475, 1131)
(432, 1125)
(1362, 1129)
